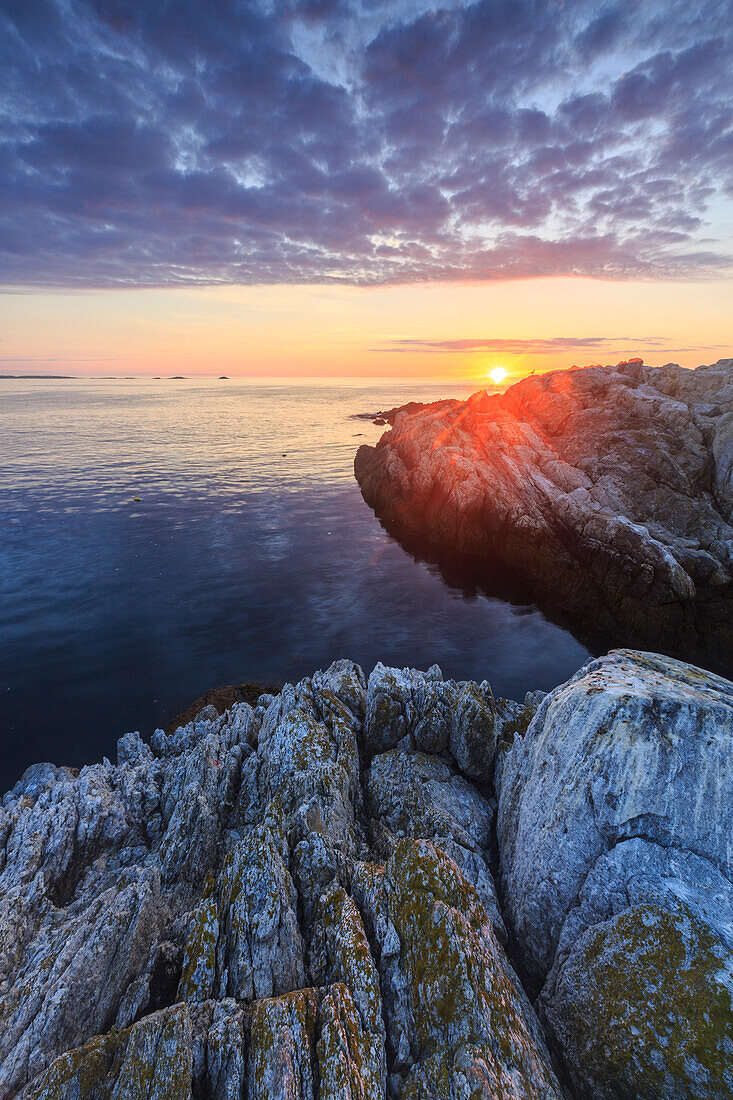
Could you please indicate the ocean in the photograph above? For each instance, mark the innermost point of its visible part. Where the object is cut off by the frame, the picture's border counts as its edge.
(162, 537)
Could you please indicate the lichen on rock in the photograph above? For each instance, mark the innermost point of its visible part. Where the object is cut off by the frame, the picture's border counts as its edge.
(297, 900)
(644, 1007)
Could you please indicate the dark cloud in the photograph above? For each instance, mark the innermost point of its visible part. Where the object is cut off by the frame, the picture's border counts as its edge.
(362, 141)
(603, 32)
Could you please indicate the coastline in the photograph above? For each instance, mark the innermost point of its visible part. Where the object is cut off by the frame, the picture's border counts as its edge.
(623, 524)
(276, 877)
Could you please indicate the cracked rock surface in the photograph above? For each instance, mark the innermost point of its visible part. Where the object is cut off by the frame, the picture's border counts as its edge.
(616, 853)
(607, 491)
(299, 899)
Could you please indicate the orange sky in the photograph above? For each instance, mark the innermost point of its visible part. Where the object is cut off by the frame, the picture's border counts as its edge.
(341, 331)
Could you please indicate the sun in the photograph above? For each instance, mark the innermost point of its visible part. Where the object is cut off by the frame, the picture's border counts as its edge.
(497, 375)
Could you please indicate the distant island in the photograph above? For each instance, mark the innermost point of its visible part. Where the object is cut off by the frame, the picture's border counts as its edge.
(56, 376)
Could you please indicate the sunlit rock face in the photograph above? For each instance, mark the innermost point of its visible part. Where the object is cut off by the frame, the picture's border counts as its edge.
(298, 899)
(608, 491)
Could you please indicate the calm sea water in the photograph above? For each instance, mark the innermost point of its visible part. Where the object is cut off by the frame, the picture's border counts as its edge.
(250, 555)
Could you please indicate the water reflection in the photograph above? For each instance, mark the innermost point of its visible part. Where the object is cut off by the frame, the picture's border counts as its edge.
(249, 556)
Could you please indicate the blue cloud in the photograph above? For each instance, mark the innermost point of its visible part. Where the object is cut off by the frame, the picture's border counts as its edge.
(362, 141)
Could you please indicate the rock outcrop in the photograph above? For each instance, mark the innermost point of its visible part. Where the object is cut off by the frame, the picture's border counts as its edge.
(264, 903)
(616, 854)
(298, 899)
(607, 492)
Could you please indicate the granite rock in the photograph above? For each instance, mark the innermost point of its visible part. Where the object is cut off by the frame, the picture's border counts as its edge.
(616, 855)
(297, 900)
(607, 493)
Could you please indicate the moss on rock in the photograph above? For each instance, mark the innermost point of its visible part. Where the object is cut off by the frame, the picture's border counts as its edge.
(643, 1008)
(152, 1060)
(470, 1020)
(199, 960)
(282, 1047)
(78, 1074)
(350, 1058)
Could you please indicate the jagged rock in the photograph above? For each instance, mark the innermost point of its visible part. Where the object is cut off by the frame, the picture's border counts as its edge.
(459, 1021)
(94, 866)
(69, 974)
(131, 749)
(616, 853)
(347, 683)
(350, 1058)
(474, 731)
(414, 795)
(420, 710)
(260, 953)
(261, 905)
(607, 492)
(390, 716)
(281, 1047)
(347, 957)
(171, 1054)
(225, 1052)
(198, 976)
(151, 1059)
(244, 941)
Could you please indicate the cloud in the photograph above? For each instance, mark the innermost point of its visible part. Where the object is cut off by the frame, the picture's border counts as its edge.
(54, 359)
(362, 141)
(538, 345)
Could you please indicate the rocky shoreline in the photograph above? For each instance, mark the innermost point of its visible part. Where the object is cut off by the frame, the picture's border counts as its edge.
(395, 886)
(606, 493)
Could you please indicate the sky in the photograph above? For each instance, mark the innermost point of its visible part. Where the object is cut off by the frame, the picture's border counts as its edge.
(363, 188)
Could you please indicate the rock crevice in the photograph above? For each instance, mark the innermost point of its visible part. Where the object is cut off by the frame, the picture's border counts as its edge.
(298, 900)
